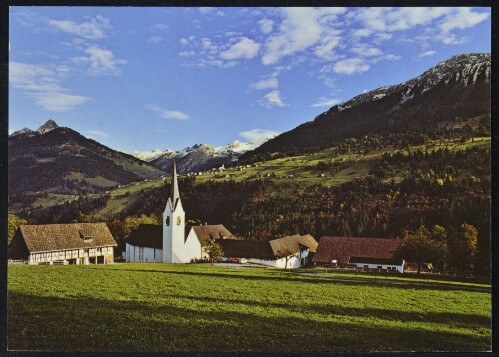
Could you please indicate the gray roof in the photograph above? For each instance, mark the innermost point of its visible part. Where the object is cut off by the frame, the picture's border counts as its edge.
(53, 237)
(147, 235)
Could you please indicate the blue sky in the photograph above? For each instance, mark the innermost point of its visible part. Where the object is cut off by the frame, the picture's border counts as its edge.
(167, 78)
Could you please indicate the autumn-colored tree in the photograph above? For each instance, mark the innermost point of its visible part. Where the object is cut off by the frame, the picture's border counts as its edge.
(463, 247)
(214, 250)
(14, 223)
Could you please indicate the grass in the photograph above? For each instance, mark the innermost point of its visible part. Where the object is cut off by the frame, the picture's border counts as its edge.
(160, 307)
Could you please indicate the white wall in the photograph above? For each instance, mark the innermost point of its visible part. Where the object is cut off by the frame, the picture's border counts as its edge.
(192, 247)
(293, 262)
(400, 268)
(174, 234)
(150, 255)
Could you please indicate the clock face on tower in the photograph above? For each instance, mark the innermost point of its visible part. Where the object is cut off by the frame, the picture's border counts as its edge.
(179, 220)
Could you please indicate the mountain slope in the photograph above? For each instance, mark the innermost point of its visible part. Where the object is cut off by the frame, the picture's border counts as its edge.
(456, 88)
(59, 159)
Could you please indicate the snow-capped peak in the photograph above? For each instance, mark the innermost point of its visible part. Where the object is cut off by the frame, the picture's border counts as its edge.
(151, 155)
(48, 126)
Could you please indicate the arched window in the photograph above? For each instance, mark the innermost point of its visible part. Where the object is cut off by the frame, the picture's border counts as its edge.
(167, 220)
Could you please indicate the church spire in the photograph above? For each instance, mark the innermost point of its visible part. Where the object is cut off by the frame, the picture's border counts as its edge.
(174, 195)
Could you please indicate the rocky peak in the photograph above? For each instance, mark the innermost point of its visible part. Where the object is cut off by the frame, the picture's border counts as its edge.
(48, 126)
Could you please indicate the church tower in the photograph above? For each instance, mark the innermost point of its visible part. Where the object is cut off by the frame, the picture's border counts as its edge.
(173, 225)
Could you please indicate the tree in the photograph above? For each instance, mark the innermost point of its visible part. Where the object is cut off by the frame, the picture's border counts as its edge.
(214, 250)
(14, 223)
(463, 246)
(285, 253)
(419, 246)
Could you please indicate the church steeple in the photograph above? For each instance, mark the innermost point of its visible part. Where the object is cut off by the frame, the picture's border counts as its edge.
(174, 194)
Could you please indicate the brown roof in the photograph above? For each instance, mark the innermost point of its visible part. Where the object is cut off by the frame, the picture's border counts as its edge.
(246, 249)
(214, 231)
(147, 235)
(342, 248)
(50, 237)
(267, 249)
(293, 243)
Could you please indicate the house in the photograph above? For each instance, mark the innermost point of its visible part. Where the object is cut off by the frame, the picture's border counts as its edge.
(298, 250)
(361, 252)
(172, 241)
(76, 243)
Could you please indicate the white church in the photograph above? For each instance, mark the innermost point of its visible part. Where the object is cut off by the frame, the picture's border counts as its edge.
(172, 242)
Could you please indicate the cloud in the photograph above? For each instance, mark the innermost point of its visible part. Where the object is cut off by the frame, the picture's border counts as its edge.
(350, 66)
(205, 10)
(325, 102)
(268, 83)
(155, 40)
(266, 25)
(462, 18)
(272, 99)
(254, 135)
(166, 113)
(98, 133)
(365, 50)
(245, 48)
(427, 53)
(93, 29)
(187, 53)
(300, 29)
(42, 84)
(101, 61)
(161, 27)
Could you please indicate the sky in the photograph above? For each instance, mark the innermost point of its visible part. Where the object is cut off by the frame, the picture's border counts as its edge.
(138, 79)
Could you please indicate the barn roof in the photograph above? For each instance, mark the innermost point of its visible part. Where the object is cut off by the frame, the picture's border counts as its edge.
(209, 232)
(50, 237)
(147, 235)
(247, 249)
(342, 248)
(267, 249)
(293, 243)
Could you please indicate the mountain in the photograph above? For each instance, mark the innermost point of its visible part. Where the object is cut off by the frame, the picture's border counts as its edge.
(199, 157)
(59, 159)
(452, 90)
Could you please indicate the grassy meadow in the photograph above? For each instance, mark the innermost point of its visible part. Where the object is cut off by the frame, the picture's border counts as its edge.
(160, 307)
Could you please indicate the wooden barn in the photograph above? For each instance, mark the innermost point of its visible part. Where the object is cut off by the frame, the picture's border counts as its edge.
(374, 253)
(299, 250)
(76, 243)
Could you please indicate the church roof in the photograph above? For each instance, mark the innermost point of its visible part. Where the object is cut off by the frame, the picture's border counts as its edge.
(174, 194)
(214, 231)
(343, 248)
(53, 237)
(293, 243)
(147, 235)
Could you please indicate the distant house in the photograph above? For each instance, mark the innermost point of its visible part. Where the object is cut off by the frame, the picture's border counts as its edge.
(76, 243)
(299, 248)
(361, 252)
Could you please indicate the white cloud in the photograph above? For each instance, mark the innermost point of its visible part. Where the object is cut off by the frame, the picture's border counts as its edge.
(93, 29)
(257, 135)
(166, 113)
(187, 53)
(300, 29)
(350, 66)
(101, 60)
(427, 53)
(365, 50)
(462, 18)
(155, 39)
(325, 102)
(220, 13)
(245, 48)
(42, 84)
(272, 99)
(98, 133)
(268, 83)
(161, 27)
(266, 25)
(205, 10)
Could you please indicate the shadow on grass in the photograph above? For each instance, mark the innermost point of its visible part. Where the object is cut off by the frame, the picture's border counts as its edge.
(89, 324)
(281, 276)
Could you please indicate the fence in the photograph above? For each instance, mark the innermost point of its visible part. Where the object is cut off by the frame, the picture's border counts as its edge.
(13, 261)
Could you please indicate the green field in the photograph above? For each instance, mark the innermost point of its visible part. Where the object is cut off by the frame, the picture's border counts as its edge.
(212, 308)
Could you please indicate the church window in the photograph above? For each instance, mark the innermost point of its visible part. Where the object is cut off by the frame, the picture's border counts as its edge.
(179, 220)
(167, 220)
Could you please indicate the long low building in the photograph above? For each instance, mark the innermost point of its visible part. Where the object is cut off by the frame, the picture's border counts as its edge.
(76, 243)
(377, 253)
(288, 252)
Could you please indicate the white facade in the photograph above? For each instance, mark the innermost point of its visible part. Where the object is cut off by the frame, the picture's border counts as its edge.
(294, 262)
(399, 268)
(83, 256)
(143, 254)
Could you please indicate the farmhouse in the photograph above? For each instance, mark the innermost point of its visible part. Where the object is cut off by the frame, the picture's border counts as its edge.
(288, 252)
(361, 252)
(172, 242)
(77, 243)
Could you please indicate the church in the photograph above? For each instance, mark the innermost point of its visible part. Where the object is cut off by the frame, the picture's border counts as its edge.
(173, 241)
